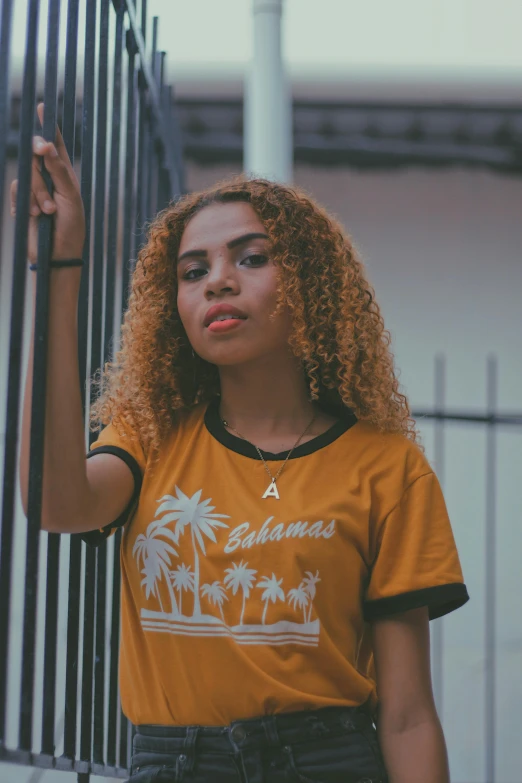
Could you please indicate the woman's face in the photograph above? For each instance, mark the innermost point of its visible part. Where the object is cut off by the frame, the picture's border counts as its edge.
(225, 269)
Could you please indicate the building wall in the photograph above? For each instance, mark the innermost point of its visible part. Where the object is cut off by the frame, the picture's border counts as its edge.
(444, 252)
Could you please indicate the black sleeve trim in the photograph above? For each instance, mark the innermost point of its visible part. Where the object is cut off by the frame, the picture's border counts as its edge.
(441, 600)
(95, 537)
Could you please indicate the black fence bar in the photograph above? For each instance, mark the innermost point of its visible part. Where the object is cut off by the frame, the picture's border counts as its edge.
(87, 161)
(6, 19)
(15, 341)
(129, 199)
(144, 20)
(140, 131)
(149, 158)
(124, 739)
(113, 220)
(88, 116)
(99, 265)
(143, 158)
(99, 662)
(71, 666)
(155, 186)
(177, 140)
(88, 655)
(114, 186)
(39, 389)
(159, 129)
(53, 542)
(495, 419)
(141, 147)
(73, 617)
(87, 148)
(50, 644)
(69, 90)
(114, 701)
(118, 752)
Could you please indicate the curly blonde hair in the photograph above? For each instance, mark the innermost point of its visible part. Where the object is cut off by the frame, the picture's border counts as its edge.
(338, 331)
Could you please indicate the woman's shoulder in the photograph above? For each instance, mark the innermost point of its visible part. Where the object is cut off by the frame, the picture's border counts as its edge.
(398, 449)
(182, 424)
(185, 421)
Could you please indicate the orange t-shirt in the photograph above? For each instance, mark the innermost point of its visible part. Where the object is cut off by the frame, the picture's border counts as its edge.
(235, 606)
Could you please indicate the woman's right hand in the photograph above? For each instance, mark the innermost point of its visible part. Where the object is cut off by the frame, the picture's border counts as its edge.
(65, 205)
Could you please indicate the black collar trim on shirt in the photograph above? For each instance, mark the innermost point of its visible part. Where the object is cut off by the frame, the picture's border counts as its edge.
(234, 443)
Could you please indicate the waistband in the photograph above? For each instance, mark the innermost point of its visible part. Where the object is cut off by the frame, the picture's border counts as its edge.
(264, 731)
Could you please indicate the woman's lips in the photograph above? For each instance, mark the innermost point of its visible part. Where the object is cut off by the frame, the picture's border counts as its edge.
(225, 326)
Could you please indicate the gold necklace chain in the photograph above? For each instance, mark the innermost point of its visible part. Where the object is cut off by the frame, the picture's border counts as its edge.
(272, 488)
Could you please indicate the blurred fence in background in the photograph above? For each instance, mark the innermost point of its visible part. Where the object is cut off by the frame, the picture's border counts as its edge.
(490, 423)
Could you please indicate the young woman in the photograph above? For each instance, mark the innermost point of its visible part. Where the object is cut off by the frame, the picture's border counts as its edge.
(285, 539)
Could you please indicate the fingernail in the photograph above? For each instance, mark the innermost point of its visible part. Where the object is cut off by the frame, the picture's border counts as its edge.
(48, 205)
(35, 210)
(40, 145)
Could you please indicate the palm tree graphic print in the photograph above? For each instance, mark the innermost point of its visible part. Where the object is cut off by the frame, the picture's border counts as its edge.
(182, 579)
(299, 598)
(240, 576)
(217, 594)
(154, 552)
(272, 591)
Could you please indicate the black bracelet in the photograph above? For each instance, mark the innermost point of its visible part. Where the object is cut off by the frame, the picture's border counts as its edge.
(59, 264)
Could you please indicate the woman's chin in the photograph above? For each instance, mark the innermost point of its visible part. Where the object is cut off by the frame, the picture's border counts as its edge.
(226, 356)
(232, 355)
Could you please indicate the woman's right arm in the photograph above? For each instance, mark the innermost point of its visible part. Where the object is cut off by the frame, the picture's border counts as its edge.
(78, 495)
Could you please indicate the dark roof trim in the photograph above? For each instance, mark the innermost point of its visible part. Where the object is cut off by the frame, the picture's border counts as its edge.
(360, 135)
(367, 135)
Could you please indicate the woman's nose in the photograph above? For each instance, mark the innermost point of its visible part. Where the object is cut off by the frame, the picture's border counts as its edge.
(220, 278)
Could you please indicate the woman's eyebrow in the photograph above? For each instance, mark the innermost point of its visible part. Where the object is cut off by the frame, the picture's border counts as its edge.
(233, 243)
(245, 238)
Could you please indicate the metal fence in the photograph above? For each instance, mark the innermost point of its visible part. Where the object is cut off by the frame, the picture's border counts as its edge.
(131, 166)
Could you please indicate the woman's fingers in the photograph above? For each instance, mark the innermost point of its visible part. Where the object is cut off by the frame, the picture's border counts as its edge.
(57, 195)
(34, 209)
(63, 197)
(40, 196)
(59, 143)
(62, 174)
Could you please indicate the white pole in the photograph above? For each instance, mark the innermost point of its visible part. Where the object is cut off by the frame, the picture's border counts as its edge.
(268, 110)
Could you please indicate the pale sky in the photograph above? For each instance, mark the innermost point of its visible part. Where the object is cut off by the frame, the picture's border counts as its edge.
(343, 34)
(333, 41)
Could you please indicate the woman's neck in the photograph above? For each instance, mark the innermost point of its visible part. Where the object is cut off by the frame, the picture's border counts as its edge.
(269, 396)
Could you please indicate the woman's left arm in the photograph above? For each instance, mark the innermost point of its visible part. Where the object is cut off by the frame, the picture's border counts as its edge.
(408, 726)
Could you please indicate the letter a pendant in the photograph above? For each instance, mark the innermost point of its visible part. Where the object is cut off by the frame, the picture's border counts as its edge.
(271, 492)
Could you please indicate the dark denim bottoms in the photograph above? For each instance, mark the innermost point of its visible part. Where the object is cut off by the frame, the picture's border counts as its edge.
(329, 745)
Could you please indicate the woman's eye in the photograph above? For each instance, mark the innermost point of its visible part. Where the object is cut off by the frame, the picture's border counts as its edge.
(193, 274)
(256, 259)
